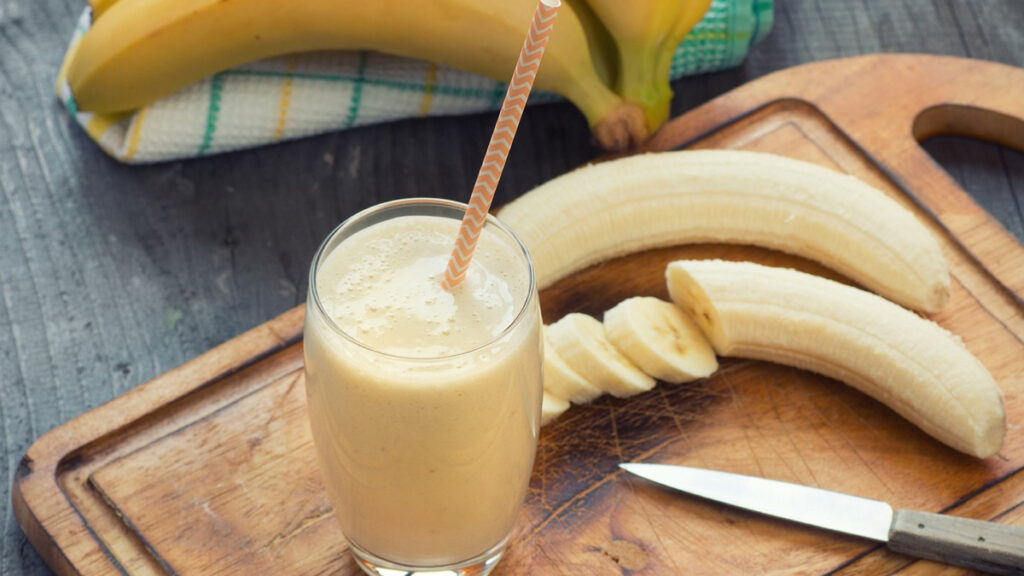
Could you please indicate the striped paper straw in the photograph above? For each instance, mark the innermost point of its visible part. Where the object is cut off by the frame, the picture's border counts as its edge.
(501, 141)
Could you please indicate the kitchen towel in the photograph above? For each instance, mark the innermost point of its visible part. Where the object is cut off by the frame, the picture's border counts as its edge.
(311, 93)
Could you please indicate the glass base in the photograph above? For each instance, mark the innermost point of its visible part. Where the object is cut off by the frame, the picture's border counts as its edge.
(480, 565)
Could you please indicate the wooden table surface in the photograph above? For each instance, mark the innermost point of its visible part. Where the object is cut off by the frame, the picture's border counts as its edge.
(111, 275)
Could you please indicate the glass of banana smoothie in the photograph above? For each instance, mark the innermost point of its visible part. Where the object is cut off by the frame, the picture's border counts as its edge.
(424, 403)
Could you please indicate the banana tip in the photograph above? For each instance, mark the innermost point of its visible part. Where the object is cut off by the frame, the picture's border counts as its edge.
(623, 128)
(938, 297)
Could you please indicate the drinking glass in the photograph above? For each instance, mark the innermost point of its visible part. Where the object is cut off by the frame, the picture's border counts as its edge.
(426, 459)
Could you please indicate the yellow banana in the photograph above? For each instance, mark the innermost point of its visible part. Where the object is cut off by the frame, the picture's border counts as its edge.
(602, 46)
(99, 7)
(692, 12)
(647, 33)
(140, 50)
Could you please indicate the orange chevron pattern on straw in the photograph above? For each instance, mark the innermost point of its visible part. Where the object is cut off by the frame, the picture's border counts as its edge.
(501, 141)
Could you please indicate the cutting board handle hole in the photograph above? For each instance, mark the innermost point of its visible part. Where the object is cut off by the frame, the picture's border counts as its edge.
(960, 120)
(982, 169)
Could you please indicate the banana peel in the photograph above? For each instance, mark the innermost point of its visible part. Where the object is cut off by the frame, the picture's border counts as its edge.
(140, 50)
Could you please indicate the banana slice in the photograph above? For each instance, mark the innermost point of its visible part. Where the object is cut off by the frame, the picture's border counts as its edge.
(665, 199)
(551, 407)
(659, 338)
(580, 341)
(912, 365)
(562, 381)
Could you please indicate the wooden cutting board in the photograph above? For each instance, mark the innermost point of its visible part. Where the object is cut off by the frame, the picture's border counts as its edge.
(209, 469)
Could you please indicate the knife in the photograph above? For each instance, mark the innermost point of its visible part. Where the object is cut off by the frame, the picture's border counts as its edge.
(986, 546)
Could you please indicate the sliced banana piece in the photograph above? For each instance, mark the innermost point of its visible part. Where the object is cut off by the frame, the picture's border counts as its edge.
(562, 381)
(580, 341)
(551, 407)
(911, 364)
(659, 338)
(737, 197)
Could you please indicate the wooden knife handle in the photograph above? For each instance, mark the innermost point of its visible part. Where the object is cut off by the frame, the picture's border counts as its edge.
(985, 546)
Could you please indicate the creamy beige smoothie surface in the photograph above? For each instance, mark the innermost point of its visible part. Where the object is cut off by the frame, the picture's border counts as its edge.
(384, 289)
(427, 460)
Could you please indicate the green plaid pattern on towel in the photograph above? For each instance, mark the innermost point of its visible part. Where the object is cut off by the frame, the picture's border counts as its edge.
(304, 94)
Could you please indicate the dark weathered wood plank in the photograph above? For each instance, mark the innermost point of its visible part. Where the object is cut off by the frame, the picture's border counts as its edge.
(112, 275)
(992, 174)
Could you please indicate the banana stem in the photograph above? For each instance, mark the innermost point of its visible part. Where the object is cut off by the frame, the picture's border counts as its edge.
(641, 82)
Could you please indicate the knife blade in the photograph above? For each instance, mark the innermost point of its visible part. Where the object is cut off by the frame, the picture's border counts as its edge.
(976, 544)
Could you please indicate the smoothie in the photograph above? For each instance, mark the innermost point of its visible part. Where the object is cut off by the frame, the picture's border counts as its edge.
(424, 404)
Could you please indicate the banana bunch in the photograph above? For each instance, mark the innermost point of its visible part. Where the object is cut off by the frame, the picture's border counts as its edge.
(908, 363)
(727, 196)
(641, 340)
(140, 50)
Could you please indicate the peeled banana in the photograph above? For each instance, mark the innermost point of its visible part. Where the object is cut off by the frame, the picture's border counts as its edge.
(140, 50)
(912, 365)
(624, 206)
(665, 343)
(580, 341)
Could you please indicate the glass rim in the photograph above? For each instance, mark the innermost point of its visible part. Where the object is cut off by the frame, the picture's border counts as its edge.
(491, 220)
